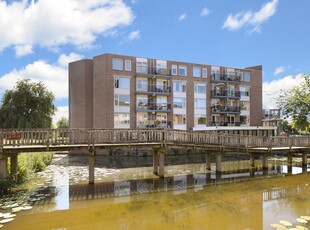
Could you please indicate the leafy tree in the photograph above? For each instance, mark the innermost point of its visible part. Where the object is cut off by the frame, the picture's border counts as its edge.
(295, 103)
(27, 105)
(63, 123)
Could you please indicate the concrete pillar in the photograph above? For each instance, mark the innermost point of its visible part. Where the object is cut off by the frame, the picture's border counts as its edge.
(252, 159)
(265, 161)
(14, 165)
(289, 158)
(218, 162)
(3, 166)
(161, 170)
(304, 158)
(208, 161)
(155, 161)
(91, 165)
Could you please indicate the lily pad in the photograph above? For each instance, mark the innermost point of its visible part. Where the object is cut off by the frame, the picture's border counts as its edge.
(9, 216)
(278, 226)
(17, 209)
(301, 227)
(305, 217)
(6, 220)
(286, 223)
(27, 207)
(300, 220)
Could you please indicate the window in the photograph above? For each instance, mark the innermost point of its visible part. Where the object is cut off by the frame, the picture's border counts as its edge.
(245, 105)
(121, 118)
(244, 120)
(247, 76)
(204, 73)
(182, 70)
(161, 120)
(142, 102)
(142, 66)
(244, 91)
(117, 64)
(179, 86)
(142, 85)
(200, 103)
(200, 88)
(174, 70)
(200, 120)
(196, 72)
(128, 65)
(121, 100)
(240, 74)
(122, 83)
(179, 119)
(179, 103)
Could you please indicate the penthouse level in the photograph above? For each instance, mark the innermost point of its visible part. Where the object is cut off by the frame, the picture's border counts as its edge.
(126, 92)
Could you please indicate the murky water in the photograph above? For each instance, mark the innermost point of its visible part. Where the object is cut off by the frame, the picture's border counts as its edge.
(189, 197)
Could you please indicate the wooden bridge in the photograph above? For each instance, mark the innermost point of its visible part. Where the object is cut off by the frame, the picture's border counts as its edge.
(13, 142)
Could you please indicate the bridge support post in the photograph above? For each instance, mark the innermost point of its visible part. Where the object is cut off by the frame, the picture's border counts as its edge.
(265, 161)
(304, 159)
(252, 159)
(91, 165)
(3, 166)
(155, 161)
(14, 165)
(161, 170)
(218, 161)
(208, 161)
(289, 158)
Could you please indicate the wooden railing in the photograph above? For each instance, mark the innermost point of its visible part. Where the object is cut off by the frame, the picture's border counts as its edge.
(48, 137)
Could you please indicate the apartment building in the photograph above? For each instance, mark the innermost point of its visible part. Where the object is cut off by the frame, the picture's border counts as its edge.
(126, 92)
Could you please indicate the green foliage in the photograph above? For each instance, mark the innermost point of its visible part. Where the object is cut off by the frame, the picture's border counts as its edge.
(295, 103)
(63, 123)
(28, 105)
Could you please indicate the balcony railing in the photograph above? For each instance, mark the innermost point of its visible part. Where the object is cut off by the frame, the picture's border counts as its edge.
(225, 93)
(154, 107)
(225, 78)
(225, 109)
(145, 70)
(153, 89)
(218, 123)
(153, 124)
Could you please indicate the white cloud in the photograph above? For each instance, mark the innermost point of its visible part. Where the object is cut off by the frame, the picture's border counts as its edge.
(182, 17)
(54, 76)
(254, 19)
(23, 50)
(134, 35)
(271, 90)
(279, 70)
(52, 23)
(62, 111)
(205, 12)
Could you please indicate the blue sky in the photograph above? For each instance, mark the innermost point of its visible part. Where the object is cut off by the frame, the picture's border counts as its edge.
(39, 38)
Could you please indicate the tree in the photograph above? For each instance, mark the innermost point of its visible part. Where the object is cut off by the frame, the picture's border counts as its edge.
(295, 104)
(63, 123)
(27, 105)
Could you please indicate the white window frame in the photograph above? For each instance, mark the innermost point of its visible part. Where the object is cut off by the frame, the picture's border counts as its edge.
(183, 102)
(245, 77)
(196, 88)
(183, 119)
(204, 72)
(183, 86)
(196, 103)
(114, 66)
(183, 67)
(116, 97)
(196, 118)
(116, 82)
(127, 65)
(196, 74)
(174, 68)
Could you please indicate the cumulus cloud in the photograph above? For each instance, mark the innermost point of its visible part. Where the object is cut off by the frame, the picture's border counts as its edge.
(134, 35)
(279, 70)
(182, 17)
(205, 12)
(272, 89)
(54, 76)
(24, 24)
(62, 111)
(254, 19)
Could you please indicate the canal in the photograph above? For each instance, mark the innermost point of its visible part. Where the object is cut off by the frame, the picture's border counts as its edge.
(126, 195)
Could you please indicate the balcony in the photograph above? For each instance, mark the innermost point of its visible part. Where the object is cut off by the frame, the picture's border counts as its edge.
(225, 109)
(153, 89)
(154, 107)
(225, 78)
(225, 94)
(153, 72)
(218, 123)
(152, 124)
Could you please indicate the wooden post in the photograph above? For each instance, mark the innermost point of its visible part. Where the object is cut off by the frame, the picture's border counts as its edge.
(91, 164)
(218, 161)
(265, 161)
(289, 169)
(3, 166)
(155, 161)
(208, 161)
(161, 170)
(14, 165)
(252, 159)
(289, 158)
(304, 158)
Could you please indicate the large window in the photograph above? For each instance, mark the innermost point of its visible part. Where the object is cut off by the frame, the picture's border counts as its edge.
(179, 86)
(142, 102)
(117, 64)
(245, 105)
(142, 65)
(122, 83)
(244, 91)
(204, 73)
(142, 85)
(196, 72)
(182, 70)
(179, 103)
(128, 65)
(200, 120)
(200, 103)
(247, 76)
(200, 88)
(121, 100)
(179, 119)
(174, 70)
(121, 118)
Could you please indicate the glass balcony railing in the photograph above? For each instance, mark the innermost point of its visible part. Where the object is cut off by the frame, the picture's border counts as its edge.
(225, 93)
(225, 109)
(224, 123)
(145, 70)
(153, 89)
(225, 78)
(154, 107)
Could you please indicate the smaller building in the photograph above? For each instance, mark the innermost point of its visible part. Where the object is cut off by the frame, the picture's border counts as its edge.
(272, 118)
